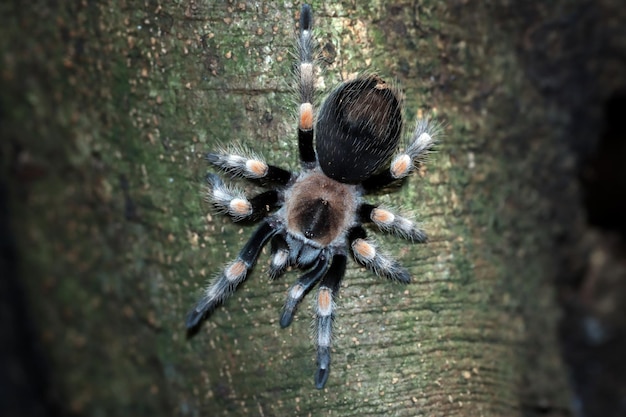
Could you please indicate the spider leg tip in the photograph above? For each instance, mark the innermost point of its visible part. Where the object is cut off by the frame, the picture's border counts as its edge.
(212, 178)
(323, 367)
(404, 277)
(191, 332)
(306, 17)
(211, 157)
(321, 376)
(193, 319)
(285, 319)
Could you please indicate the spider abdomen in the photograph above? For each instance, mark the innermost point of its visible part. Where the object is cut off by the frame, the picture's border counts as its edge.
(320, 208)
(358, 129)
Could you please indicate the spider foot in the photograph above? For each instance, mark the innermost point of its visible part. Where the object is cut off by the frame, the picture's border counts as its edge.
(323, 367)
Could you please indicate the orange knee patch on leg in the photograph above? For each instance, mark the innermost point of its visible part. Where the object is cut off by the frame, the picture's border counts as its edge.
(401, 166)
(324, 301)
(382, 216)
(240, 207)
(306, 116)
(364, 249)
(236, 270)
(256, 167)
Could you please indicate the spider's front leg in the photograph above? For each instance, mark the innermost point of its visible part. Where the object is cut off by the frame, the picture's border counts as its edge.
(233, 275)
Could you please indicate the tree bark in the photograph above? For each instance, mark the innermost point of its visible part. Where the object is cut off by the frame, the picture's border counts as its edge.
(107, 111)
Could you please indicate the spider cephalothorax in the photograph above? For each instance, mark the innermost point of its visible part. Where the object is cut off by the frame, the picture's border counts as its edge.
(314, 218)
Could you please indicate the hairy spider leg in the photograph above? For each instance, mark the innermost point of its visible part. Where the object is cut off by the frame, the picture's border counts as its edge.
(325, 312)
(250, 167)
(301, 288)
(232, 276)
(390, 222)
(306, 85)
(236, 205)
(420, 144)
(367, 254)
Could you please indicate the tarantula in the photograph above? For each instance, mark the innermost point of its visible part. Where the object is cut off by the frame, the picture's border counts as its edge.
(314, 218)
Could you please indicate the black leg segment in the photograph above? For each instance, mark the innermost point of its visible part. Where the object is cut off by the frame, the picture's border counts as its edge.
(263, 204)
